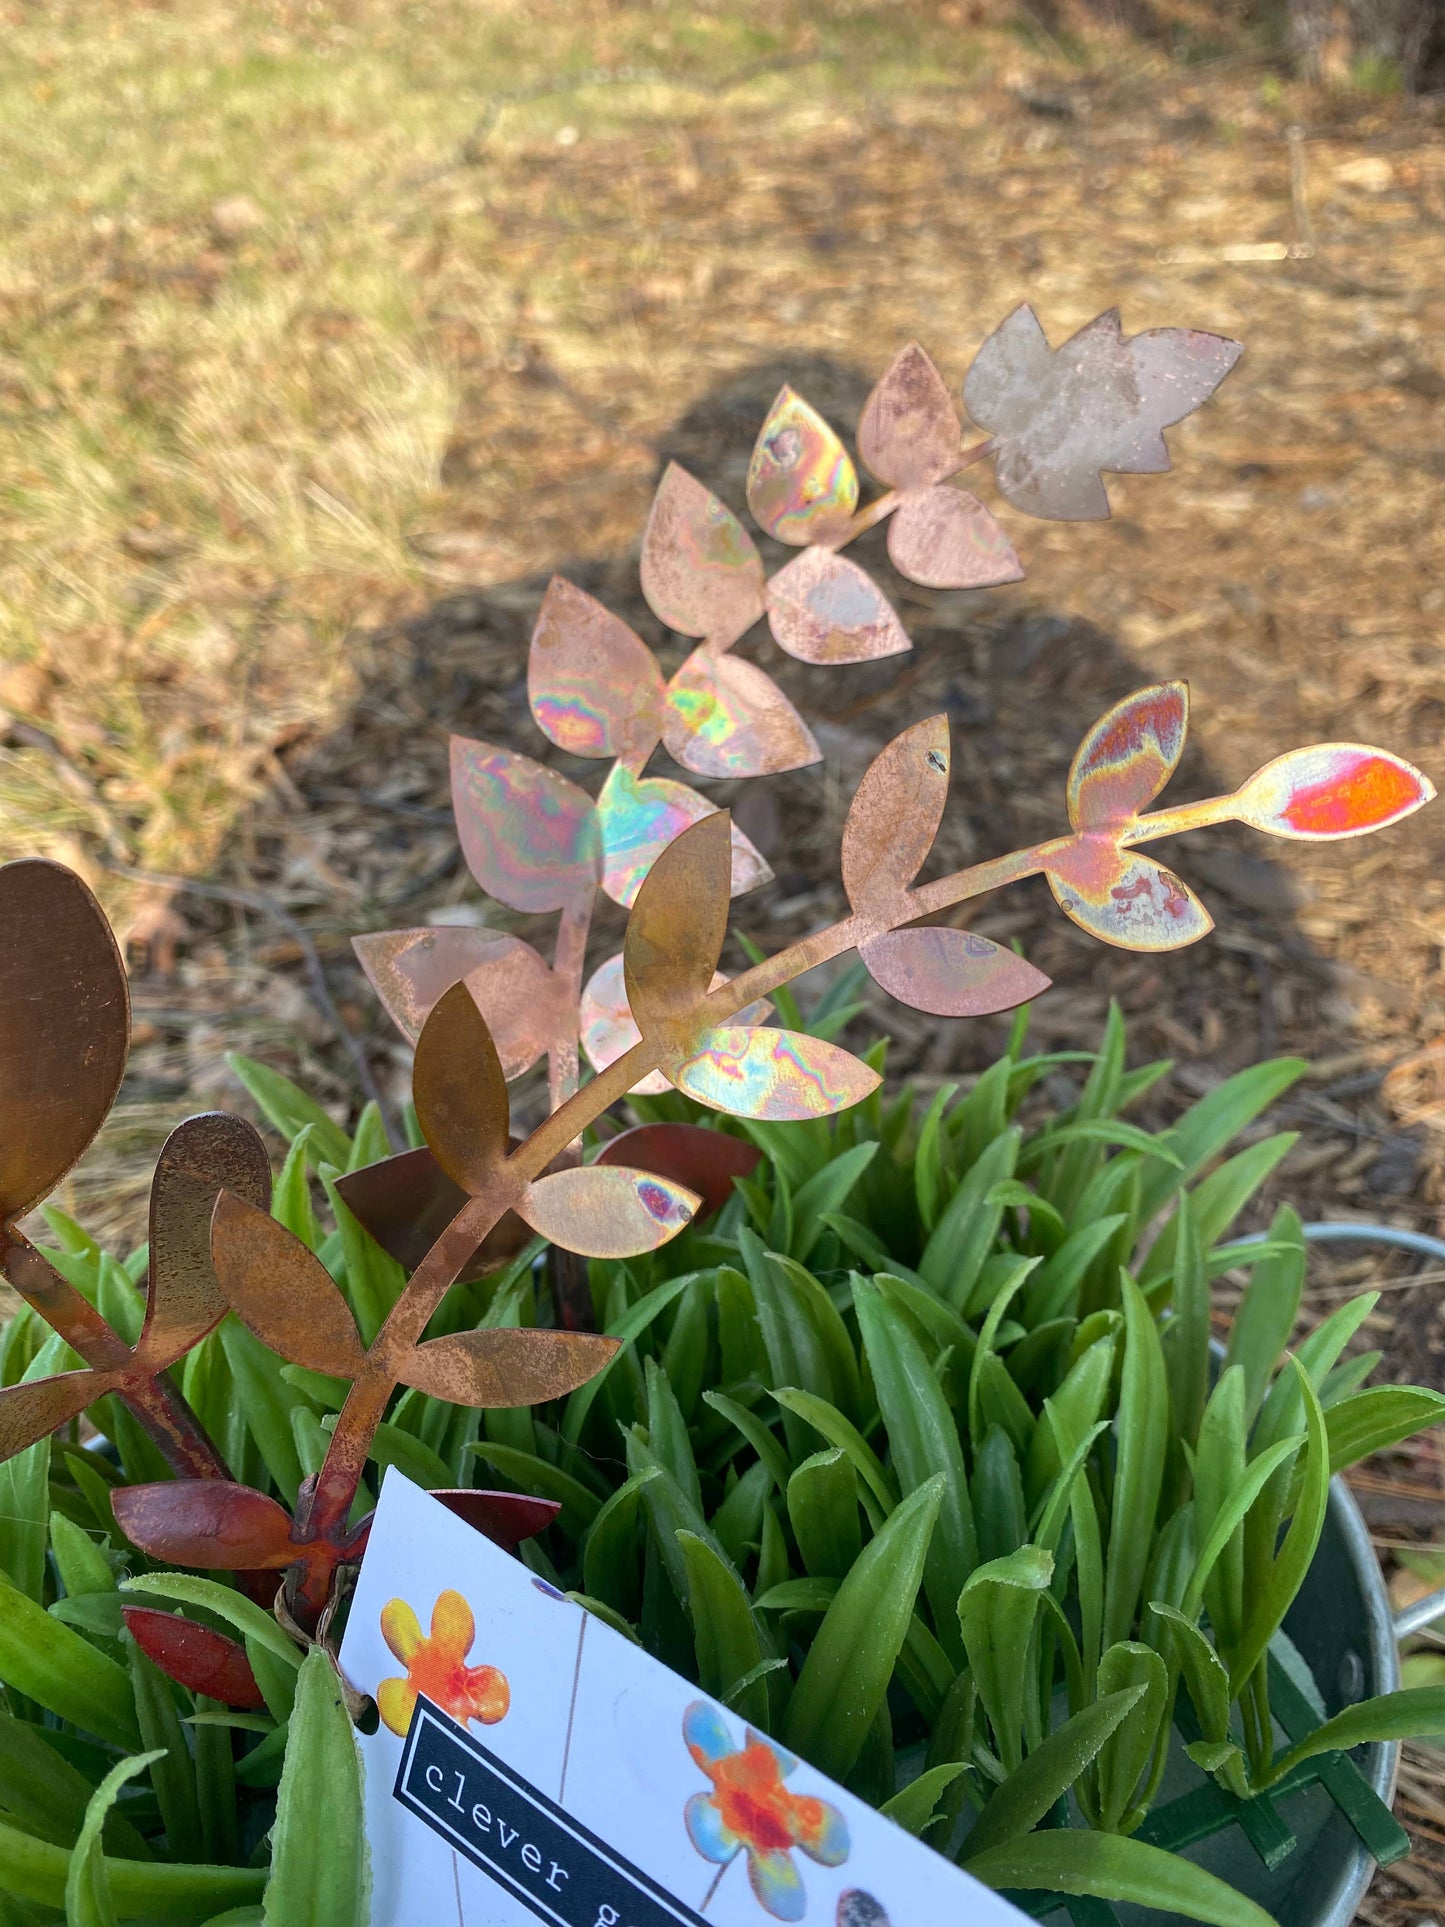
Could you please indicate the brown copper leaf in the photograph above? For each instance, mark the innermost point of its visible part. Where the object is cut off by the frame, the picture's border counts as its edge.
(700, 572)
(529, 836)
(603, 1211)
(506, 1518)
(63, 1308)
(1128, 756)
(406, 1202)
(640, 816)
(676, 930)
(38, 1406)
(208, 1523)
(203, 1156)
(946, 539)
(823, 608)
(459, 1091)
(950, 973)
(195, 1656)
(64, 1027)
(894, 816)
(909, 433)
(724, 717)
(594, 684)
(1126, 898)
(704, 1160)
(511, 984)
(802, 487)
(504, 1365)
(282, 1291)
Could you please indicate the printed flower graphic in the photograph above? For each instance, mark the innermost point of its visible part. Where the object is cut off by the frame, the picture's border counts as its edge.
(436, 1666)
(750, 1809)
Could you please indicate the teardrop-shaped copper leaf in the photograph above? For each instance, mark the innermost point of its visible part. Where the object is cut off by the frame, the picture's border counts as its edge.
(195, 1656)
(64, 1027)
(676, 931)
(823, 608)
(1128, 756)
(38, 1406)
(779, 1075)
(601, 1211)
(594, 684)
(503, 1366)
(640, 816)
(1125, 898)
(950, 973)
(282, 1291)
(946, 539)
(459, 1091)
(506, 1518)
(208, 1523)
(203, 1156)
(725, 717)
(1332, 790)
(528, 835)
(700, 572)
(511, 984)
(909, 433)
(704, 1160)
(894, 815)
(802, 485)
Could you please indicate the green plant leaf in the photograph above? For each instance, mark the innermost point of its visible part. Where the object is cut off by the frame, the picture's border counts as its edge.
(1076, 1860)
(1270, 1596)
(47, 1661)
(823, 1512)
(916, 1805)
(1265, 1318)
(629, 1325)
(997, 1610)
(1218, 1201)
(826, 1191)
(234, 1607)
(1185, 1339)
(88, 1898)
(1405, 1715)
(32, 1869)
(1126, 1754)
(834, 1429)
(1142, 1432)
(1374, 1420)
(47, 1795)
(1206, 1127)
(965, 1233)
(320, 1874)
(725, 1631)
(1034, 1788)
(528, 1473)
(173, 1773)
(287, 1108)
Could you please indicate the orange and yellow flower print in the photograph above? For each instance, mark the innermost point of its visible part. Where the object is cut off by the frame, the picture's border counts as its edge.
(436, 1666)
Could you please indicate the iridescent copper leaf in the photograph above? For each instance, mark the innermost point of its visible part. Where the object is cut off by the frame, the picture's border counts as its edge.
(406, 1202)
(511, 984)
(528, 835)
(601, 1211)
(64, 1027)
(609, 1029)
(700, 572)
(1125, 898)
(594, 684)
(946, 539)
(950, 973)
(1097, 403)
(282, 1291)
(1332, 790)
(502, 1365)
(724, 717)
(779, 1075)
(909, 433)
(459, 1091)
(195, 1656)
(823, 608)
(203, 1156)
(640, 816)
(208, 1523)
(38, 1406)
(704, 1160)
(676, 931)
(895, 814)
(506, 1518)
(1128, 756)
(802, 487)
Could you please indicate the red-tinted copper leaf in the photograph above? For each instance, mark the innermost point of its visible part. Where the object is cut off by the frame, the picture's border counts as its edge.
(282, 1290)
(39, 1406)
(407, 1201)
(459, 1091)
(203, 1156)
(802, 487)
(700, 573)
(195, 1656)
(609, 1029)
(510, 983)
(505, 1365)
(1097, 403)
(1332, 790)
(909, 433)
(946, 539)
(724, 717)
(208, 1523)
(1125, 898)
(895, 814)
(506, 1518)
(640, 816)
(676, 930)
(528, 835)
(823, 608)
(950, 973)
(703, 1160)
(594, 684)
(1128, 756)
(602, 1211)
(64, 1027)
(779, 1075)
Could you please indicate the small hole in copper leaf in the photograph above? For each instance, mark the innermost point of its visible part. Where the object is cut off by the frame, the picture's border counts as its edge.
(935, 760)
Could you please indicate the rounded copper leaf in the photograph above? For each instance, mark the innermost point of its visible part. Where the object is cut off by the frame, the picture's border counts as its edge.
(282, 1291)
(64, 1027)
(506, 1518)
(511, 984)
(700, 572)
(705, 1160)
(950, 973)
(725, 717)
(946, 539)
(676, 931)
(1125, 898)
(894, 816)
(203, 1156)
(604, 1211)
(823, 608)
(802, 486)
(460, 1092)
(195, 1656)
(528, 835)
(208, 1523)
(640, 816)
(909, 433)
(1128, 756)
(36, 1407)
(504, 1365)
(594, 685)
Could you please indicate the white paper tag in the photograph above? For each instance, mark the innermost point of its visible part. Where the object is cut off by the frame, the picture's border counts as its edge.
(550, 1770)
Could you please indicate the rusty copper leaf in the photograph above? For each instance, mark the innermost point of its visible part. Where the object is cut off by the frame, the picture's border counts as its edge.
(1332, 790)
(909, 434)
(1128, 756)
(406, 1202)
(459, 1091)
(209, 1523)
(594, 684)
(36, 1407)
(950, 973)
(1124, 898)
(725, 717)
(203, 1156)
(511, 984)
(505, 1366)
(778, 1075)
(609, 1029)
(64, 1027)
(945, 538)
(529, 836)
(894, 816)
(676, 931)
(640, 816)
(802, 486)
(195, 1656)
(1099, 403)
(282, 1291)
(506, 1518)
(703, 1159)
(822, 608)
(700, 572)
(601, 1211)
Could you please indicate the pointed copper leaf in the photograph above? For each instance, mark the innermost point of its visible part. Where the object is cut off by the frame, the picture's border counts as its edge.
(704, 1160)
(406, 1202)
(640, 816)
(601, 1211)
(909, 433)
(895, 814)
(63, 1308)
(459, 1091)
(1099, 403)
(779, 1075)
(700, 572)
(1332, 790)
(594, 684)
(1128, 756)
(528, 835)
(609, 1028)
(523, 1003)
(195, 1656)
(506, 1518)
(503, 1365)
(950, 973)
(282, 1291)
(802, 486)
(823, 608)
(203, 1156)
(1125, 898)
(33, 1409)
(724, 717)
(64, 1027)
(946, 539)
(676, 931)
(208, 1523)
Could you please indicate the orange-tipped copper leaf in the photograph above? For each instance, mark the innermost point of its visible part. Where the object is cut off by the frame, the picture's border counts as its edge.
(503, 1365)
(602, 1211)
(195, 1656)
(909, 433)
(511, 984)
(460, 1092)
(406, 1202)
(203, 1156)
(282, 1291)
(594, 684)
(823, 608)
(802, 486)
(1125, 898)
(64, 1027)
(724, 717)
(700, 572)
(208, 1523)
(506, 1518)
(38, 1406)
(609, 1028)
(1332, 790)
(946, 539)
(779, 1075)
(640, 816)
(676, 931)
(528, 835)
(705, 1161)
(895, 814)
(950, 973)
(1128, 756)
